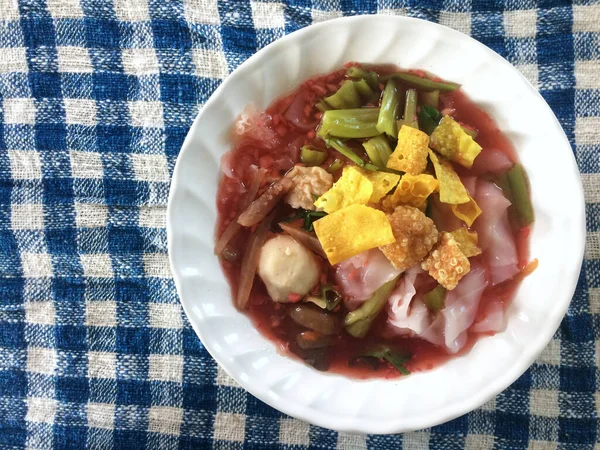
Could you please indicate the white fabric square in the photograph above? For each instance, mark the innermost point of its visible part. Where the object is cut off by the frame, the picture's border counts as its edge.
(102, 365)
(587, 74)
(165, 315)
(592, 245)
(150, 167)
(101, 415)
(415, 440)
(153, 216)
(587, 130)
(64, 9)
(90, 215)
(267, 15)
(594, 296)
(541, 445)
(41, 410)
(551, 354)
(101, 313)
(9, 10)
(41, 360)
(319, 15)
(202, 11)
(294, 432)
(223, 378)
(586, 18)
(14, 59)
(544, 402)
(146, 114)
(229, 427)
(490, 405)
(529, 71)
(591, 181)
(460, 21)
(165, 420)
(210, 63)
(132, 10)
(39, 313)
(139, 61)
(28, 216)
(36, 265)
(166, 368)
(74, 60)
(80, 111)
(479, 442)
(96, 265)
(354, 441)
(19, 110)
(522, 23)
(25, 164)
(86, 165)
(157, 265)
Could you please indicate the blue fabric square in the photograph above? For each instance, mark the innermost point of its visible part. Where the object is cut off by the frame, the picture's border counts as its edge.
(171, 34)
(203, 399)
(71, 337)
(112, 86)
(133, 392)
(38, 32)
(125, 440)
(102, 33)
(577, 431)
(113, 138)
(68, 437)
(132, 340)
(72, 389)
(13, 383)
(580, 379)
(45, 84)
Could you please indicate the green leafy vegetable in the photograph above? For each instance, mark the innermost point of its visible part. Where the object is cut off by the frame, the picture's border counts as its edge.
(429, 118)
(370, 77)
(434, 299)
(519, 190)
(329, 298)
(410, 108)
(388, 113)
(359, 321)
(378, 149)
(397, 357)
(350, 123)
(424, 83)
(346, 97)
(312, 157)
(308, 216)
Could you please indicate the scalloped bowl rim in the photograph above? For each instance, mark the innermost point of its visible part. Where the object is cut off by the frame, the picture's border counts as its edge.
(404, 421)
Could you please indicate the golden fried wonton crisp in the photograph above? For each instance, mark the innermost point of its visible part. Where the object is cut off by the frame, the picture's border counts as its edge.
(447, 263)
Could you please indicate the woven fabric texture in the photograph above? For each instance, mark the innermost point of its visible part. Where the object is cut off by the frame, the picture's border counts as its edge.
(96, 98)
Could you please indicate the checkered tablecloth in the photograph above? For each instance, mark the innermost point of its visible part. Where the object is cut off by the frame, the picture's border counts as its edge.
(96, 98)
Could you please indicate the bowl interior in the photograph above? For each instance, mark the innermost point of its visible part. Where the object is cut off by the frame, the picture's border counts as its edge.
(424, 399)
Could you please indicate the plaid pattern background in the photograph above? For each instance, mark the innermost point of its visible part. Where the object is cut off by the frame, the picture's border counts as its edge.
(96, 98)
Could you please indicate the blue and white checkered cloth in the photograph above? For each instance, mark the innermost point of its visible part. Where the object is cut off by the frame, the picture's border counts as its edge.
(95, 100)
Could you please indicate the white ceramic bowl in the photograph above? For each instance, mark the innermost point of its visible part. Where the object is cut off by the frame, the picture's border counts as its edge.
(464, 383)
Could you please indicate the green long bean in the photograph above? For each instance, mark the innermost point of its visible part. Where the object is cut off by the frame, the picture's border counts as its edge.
(359, 321)
(378, 149)
(519, 190)
(346, 97)
(423, 83)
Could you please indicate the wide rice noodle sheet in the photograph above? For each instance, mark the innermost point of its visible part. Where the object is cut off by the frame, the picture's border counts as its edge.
(494, 319)
(495, 236)
(407, 314)
(255, 125)
(361, 275)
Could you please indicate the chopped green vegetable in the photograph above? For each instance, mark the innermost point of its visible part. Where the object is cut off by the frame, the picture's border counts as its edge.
(397, 357)
(365, 91)
(471, 132)
(519, 189)
(336, 165)
(312, 157)
(370, 77)
(350, 123)
(339, 145)
(359, 321)
(410, 108)
(434, 299)
(424, 83)
(322, 106)
(378, 149)
(430, 98)
(308, 216)
(429, 118)
(329, 298)
(388, 113)
(345, 97)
